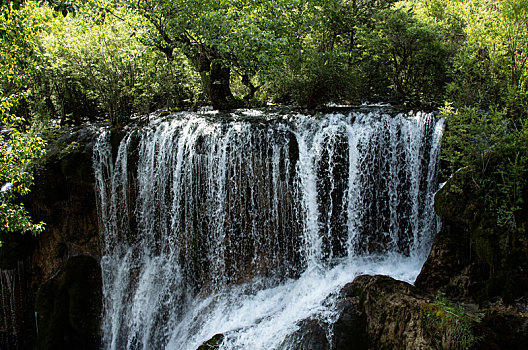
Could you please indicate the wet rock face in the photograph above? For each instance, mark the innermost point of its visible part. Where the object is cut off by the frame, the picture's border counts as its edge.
(17, 317)
(68, 307)
(310, 336)
(15, 248)
(350, 329)
(473, 258)
(64, 198)
(449, 268)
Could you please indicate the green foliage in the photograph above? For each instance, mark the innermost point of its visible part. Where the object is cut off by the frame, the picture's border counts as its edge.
(307, 51)
(490, 68)
(19, 146)
(109, 59)
(506, 183)
(449, 325)
(326, 63)
(470, 133)
(413, 52)
(497, 152)
(356, 51)
(486, 122)
(94, 64)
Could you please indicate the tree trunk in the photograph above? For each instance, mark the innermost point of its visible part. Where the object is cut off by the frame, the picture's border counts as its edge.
(220, 89)
(216, 82)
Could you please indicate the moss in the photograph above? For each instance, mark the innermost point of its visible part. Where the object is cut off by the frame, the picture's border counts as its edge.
(485, 244)
(213, 343)
(449, 324)
(164, 114)
(455, 200)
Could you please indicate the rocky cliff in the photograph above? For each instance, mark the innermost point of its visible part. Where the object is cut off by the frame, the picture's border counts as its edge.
(56, 300)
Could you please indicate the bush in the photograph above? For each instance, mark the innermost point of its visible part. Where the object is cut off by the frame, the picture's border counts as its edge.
(414, 53)
(449, 325)
(94, 66)
(497, 153)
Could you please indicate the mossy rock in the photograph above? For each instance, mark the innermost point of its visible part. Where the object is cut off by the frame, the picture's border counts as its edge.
(69, 307)
(164, 114)
(213, 343)
(487, 241)
(472, 236)
(457, 200)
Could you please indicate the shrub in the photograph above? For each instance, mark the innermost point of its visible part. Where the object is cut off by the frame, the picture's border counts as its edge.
(449, 325)
(95, 65)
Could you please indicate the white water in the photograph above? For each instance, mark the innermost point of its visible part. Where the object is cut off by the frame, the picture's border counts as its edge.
(247, 226)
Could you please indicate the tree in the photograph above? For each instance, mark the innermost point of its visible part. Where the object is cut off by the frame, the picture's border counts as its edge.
(251, 38)
(200, 29)
(93, 65)
(414, 53)
(18, 144)
(491, 67)
(329, 63)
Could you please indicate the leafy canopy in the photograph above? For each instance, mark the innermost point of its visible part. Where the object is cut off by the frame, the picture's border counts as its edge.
(18, 144)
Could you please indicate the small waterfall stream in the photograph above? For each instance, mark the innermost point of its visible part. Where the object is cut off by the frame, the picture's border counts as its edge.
(247, 224)
(16, 324)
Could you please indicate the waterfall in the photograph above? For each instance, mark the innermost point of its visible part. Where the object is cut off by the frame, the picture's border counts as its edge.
(248, 223)
(17, 326)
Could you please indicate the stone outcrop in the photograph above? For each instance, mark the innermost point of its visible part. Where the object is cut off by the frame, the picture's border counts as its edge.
(379, 312)
(473, 258)
(61, 264)
(63, 197)
(311, 335)
(213, 343)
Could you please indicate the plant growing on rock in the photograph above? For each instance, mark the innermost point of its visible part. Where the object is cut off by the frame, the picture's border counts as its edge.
(449, 325)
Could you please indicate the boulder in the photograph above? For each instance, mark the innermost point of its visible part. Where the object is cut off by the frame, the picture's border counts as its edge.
(213, 343)
(379, 312)
(310, 335)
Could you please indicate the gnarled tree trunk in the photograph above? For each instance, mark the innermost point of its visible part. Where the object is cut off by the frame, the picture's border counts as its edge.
(216, 81)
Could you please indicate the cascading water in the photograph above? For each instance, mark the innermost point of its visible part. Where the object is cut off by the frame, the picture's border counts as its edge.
(17, 324)
(246, 225)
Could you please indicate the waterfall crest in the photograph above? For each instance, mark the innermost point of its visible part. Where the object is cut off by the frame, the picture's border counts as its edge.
(247, 225)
